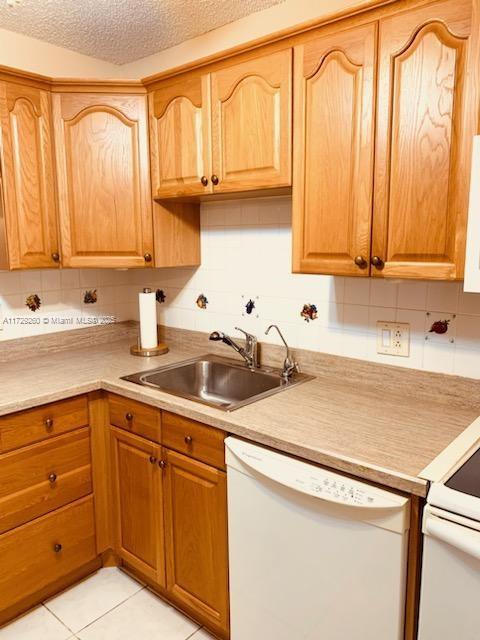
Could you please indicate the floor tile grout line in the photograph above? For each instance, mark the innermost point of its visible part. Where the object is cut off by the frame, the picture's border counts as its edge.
(109, 611)
(196, 631)
(59, 620)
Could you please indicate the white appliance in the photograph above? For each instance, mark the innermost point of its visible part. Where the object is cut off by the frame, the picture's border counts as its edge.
(450, 592)
(314, 555)
(472, 259)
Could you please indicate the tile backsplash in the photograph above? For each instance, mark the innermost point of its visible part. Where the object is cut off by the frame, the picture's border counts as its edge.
(245, 280)
(67, 299)
(246, 257)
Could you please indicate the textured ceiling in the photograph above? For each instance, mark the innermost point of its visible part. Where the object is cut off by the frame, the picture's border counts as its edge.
(122, 31)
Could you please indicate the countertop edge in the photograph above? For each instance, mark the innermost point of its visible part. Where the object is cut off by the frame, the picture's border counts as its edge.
(357, 468)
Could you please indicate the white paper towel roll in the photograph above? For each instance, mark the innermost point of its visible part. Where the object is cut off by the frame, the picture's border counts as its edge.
(148, 319)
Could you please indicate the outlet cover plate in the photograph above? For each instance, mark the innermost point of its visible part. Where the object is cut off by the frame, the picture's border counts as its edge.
(393, 338)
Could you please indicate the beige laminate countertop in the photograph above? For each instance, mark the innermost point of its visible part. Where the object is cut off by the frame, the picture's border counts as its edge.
(344, 424)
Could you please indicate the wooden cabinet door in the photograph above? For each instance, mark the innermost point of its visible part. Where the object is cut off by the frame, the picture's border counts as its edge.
(28, 177)
(251, 123)
(427, 116)
(333, 154)
(196, 538)
(103, 180)
(137, 489)
(180, 137)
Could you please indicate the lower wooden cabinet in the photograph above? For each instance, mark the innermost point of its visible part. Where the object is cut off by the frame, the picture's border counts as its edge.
(39, 553)
(195, 507)
(170, 512)
(137, 488)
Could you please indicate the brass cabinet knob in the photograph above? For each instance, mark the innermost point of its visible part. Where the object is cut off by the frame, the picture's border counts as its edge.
(56, 257)
(162, 464)
(153, 459)
(49, 423)
(361, 262)
(215, 179)
(188, 439)
(52, 477)
(147, 257)
(129, 416)
(204, 180)
(377, 262)
(57, 548)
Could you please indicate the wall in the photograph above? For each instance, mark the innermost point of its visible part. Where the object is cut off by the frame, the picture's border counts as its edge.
(30, 54)
(254, 26)
(62, 294)
(246, 255)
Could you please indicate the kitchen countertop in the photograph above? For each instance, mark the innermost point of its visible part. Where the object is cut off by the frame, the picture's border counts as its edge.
(350, 426)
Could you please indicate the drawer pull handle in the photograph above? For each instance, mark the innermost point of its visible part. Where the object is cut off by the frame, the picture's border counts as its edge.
(215, 179)
(129, 417)
(49, 423)
(162, 464)
(57, 548)
(52, 477)
(188, 439)
(153, 459)
(204, 180)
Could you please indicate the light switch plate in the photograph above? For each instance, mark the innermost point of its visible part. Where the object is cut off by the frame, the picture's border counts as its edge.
(393, 338)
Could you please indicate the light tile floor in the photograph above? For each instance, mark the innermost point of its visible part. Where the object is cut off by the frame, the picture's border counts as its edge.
(107, 606)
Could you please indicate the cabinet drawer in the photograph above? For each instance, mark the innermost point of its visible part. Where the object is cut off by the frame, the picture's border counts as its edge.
(42, 477)
(194, 439)
(29, 559)
(135, 417)
(26, 427)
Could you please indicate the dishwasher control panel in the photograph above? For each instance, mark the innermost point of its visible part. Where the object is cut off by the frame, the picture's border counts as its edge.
(343, 492)
(309, 479)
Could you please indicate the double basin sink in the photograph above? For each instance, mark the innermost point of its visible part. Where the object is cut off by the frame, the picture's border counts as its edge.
(218, 382)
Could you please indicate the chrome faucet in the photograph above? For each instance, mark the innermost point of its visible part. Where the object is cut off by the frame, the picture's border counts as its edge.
(289, 365)
(249, 353)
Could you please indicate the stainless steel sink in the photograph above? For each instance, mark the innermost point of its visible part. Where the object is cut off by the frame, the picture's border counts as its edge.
(218, 382)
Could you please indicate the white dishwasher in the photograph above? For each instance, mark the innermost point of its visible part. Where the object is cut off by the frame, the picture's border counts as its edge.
(314, 555)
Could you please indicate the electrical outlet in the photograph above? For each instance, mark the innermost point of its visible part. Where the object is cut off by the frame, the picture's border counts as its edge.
(393, 338)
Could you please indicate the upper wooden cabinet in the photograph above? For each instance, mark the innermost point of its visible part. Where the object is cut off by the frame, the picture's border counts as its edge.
(28, 229)
(251, 124)
(333, 153)
(103, 180)
(180, 137)
(228, 131)
(427, 116)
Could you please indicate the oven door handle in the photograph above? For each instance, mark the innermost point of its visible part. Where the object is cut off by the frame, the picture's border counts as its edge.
(458, 536)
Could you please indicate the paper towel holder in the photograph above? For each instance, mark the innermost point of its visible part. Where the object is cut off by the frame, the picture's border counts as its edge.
(160, 349)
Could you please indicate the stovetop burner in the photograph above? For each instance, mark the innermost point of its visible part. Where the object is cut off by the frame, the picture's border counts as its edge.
(467, 478)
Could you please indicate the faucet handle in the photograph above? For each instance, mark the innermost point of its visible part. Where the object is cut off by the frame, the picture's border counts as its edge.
(249, 336)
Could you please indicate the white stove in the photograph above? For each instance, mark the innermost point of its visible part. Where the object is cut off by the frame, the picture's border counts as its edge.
(450, 593)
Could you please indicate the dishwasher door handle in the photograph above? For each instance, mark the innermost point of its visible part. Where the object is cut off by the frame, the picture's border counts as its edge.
(456, 535)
